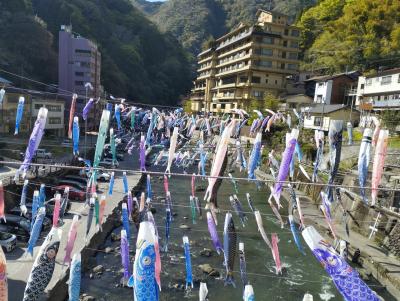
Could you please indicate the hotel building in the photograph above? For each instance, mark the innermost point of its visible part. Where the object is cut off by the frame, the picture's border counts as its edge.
(247, 63)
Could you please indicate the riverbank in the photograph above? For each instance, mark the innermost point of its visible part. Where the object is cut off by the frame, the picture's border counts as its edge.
(19, 267)
(374, 261)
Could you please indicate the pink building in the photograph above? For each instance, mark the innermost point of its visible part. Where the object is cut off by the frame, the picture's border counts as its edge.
(79, 62)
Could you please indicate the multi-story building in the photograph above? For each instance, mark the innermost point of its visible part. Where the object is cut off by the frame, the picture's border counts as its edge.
(335, 89)
(79, 63)
(247, 63)
(379, 92)
(34, 100)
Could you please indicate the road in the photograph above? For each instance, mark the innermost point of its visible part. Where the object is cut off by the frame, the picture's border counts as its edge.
(19, 266)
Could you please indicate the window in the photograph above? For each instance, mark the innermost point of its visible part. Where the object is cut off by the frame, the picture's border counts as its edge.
(268, 40)
(38, 106)
(286, 31)
(256, 79)
(284, 43)
(258, 94)
(267, 52)
(282, 65)
(53, 108)
(79, 73)
(266, 81)
(267, 64)
(362, 86)
(317, 121)
(321, 84)
(293, 55)
(292, 66)
(83, 52)
(284, 54)
(222, 106)
(295, 33)
(55, 120)
(294, 44)
(368, 81)
(319, 99)
(243, 79)
(398, 79)
(386, 80)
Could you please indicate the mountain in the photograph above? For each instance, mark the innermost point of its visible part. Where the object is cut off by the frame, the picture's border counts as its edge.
(340, 35)
(194, 22)
(138, 61)
(148, 7)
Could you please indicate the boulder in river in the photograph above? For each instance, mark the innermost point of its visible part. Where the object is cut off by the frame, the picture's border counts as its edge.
(209, 270)
(184, 227)
(115, 237)
(98, 269)
(206, 252)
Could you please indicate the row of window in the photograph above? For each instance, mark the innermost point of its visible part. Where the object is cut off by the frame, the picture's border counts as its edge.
(233, 67)
(83, 64)
(55, 120)
(233, 57)
(273, 41)
(235, 37)
(385, 97)
(50, 108)
(384, 80)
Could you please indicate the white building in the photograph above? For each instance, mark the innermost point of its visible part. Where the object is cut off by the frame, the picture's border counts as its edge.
(379, 92)
(55, 116)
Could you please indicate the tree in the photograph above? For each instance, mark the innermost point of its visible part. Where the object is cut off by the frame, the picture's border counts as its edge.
(340, 35)
(271, 102)
(187, 106)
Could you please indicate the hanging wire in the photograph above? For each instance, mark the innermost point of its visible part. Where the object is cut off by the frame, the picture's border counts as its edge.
(137, 171)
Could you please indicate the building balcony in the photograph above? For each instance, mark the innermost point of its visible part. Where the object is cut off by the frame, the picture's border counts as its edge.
(197, 98)
(209, 58)
(232, 51)
(235, 60)
(232, 71)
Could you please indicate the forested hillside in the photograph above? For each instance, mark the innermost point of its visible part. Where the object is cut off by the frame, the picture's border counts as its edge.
(341, 35)
(193, 22)
(138, 61)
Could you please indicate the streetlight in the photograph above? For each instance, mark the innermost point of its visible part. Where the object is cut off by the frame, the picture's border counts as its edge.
(87, 87)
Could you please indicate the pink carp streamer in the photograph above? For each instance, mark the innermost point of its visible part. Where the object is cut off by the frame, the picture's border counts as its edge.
(71, 114)
(275, 253)
(379, 161)
(219, 158)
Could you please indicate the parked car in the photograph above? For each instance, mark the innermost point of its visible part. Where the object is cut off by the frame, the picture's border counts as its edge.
(108, 163)
(47, 223)
(103, 176)
(8, 241)
(19, 226)
(43, 154)
(76, 178)
(108, 155)
(74, 193)
(66, 143)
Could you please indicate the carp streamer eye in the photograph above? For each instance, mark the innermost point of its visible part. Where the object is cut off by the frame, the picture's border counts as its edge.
(146, 260)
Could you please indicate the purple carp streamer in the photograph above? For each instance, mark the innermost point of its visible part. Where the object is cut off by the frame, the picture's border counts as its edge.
(346, 279)
(285, 164)
(34, 141)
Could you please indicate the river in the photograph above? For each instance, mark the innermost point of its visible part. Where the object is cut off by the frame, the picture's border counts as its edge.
(303, 273)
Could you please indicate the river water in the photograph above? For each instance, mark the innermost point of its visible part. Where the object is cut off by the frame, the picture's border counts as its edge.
(303, 273)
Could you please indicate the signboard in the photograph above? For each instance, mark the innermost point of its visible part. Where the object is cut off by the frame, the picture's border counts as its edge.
(365, 106)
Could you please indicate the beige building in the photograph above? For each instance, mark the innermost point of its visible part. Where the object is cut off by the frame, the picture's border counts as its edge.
(34, 100)
(247, 63)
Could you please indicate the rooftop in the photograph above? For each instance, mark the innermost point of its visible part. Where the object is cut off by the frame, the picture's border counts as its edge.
(4, 81)
(326, 109)
(386, 72)
(352, 75)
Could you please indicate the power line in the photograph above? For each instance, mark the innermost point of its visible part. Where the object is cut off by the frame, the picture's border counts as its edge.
(137, 171)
